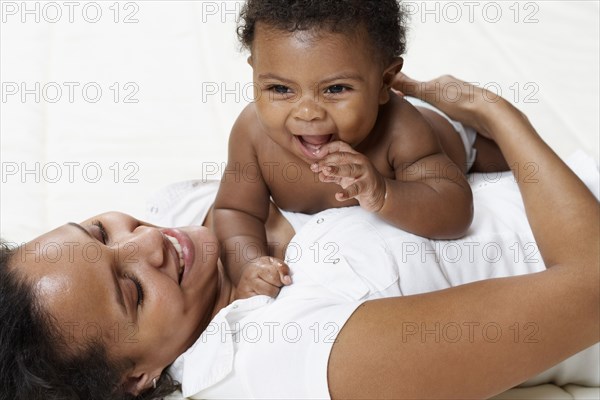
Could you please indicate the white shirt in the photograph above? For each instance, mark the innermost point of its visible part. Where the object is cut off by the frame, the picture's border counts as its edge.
(265, 348)
(249, 343)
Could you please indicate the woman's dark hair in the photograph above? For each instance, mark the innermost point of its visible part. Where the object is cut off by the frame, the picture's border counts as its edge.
(35, 361)
(384, 20)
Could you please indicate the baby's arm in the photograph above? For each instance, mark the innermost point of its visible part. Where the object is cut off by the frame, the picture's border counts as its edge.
(240, 212)
(429, 195)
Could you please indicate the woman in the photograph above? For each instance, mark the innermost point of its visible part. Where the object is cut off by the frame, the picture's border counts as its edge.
(114, 297)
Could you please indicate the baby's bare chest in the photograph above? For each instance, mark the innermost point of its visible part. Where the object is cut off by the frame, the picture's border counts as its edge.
(294, 187)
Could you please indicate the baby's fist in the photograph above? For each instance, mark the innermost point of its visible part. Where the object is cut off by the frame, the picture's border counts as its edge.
(264, 275)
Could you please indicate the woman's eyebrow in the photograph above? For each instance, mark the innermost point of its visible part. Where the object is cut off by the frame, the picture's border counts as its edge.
(81, 228)
(117, 287)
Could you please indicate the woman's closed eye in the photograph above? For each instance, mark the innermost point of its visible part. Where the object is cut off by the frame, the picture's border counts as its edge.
(99, 232)
(138, 286)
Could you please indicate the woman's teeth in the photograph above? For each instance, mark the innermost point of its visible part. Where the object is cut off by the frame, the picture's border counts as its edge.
(179, 251)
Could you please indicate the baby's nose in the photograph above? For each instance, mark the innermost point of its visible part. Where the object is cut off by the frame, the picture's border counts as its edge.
(309, 110)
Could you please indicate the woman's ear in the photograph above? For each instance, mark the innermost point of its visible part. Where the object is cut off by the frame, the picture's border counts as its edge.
(389, 74)
(133, 384)
(136, 383)
(249, 60)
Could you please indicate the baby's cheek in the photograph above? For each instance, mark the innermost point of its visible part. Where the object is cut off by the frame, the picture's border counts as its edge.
(268, 114)
(356, 127)
(273, 119)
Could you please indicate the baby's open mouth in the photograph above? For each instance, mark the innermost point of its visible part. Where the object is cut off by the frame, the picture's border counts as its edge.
(313, 143)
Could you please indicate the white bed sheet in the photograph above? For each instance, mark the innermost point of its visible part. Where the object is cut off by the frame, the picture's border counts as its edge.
(179, 53)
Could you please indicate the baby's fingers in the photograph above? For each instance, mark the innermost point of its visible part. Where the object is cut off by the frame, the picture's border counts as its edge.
(335, 147)
(333, 160)
(352, 170)
(259, 286)
(255, 287)
(275, 273)
(349, 192)
(284, 274)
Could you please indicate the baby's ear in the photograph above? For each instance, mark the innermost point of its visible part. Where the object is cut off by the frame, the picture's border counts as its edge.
(250, 60)
(389, 74)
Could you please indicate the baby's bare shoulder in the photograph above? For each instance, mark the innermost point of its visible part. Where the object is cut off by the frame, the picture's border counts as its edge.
(410, 135)
(403, 120)
(246, 128)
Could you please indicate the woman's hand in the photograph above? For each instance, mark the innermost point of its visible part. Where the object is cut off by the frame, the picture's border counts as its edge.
(460, 100)
(264, 275)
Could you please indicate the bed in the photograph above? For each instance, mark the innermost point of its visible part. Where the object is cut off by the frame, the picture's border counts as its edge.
(103, 103)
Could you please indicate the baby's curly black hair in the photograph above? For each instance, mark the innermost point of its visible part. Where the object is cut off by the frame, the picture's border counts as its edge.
(384, 20)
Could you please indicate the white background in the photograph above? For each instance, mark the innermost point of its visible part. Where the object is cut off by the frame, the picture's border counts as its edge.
(181, 62)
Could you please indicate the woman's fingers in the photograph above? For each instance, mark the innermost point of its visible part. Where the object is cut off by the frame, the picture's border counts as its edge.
(404, 85)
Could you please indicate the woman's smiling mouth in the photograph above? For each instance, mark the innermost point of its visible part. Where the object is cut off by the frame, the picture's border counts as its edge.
(179, 251)
(184, 248)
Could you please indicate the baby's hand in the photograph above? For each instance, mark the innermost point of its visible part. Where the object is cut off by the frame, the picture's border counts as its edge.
(264, 275)
(354, 172)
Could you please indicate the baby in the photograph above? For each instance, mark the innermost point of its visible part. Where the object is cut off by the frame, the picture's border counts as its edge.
(326, 130)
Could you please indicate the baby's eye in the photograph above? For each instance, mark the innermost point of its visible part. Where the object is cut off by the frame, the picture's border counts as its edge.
(336, 89)
(280, 89)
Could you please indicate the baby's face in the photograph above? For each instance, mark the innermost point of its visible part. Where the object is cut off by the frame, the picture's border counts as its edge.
(315, 87)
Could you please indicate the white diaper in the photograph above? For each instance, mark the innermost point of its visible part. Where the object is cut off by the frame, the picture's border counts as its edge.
(466, 133)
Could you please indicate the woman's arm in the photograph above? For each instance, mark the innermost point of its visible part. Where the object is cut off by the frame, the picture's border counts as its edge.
(570, 208)
(477, 340)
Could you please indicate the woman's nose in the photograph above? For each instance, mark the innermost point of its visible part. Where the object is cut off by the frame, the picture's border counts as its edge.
(308, 110)
(144, 246)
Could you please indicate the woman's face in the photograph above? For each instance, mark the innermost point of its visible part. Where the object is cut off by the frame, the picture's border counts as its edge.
(116, 279)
